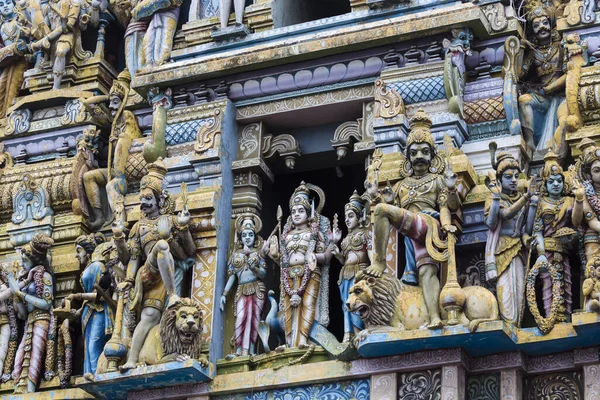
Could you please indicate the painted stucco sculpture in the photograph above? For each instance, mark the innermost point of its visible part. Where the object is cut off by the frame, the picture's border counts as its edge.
(454, 68)
(247, 268)
(105, 187)
(34, 289)
(66, 20)
(509, 214)
(542, 106)
(225, 11)
(162, 17)
(303, 253)
(553, 237)
(178, 336)
(155, 241)
(13, 62)
(386, 302)
(96, 312)
(8, 325)
(419, 206)
(353, 254)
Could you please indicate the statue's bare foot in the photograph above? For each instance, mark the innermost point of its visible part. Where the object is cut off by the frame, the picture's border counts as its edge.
(89, 376)
(436, 323)
(280, 349)
(303, 346)
(127, 366)
(374, 271)
(230, 357)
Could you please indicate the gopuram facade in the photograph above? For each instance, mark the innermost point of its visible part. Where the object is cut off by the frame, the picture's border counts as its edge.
(300, 199)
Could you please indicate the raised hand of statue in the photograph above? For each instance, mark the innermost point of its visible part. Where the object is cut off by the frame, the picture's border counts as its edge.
(578, 189)
(124, 286)
(13, 284)
(532, 189)
(118, 227)
(335, 250)
(387, 193)
(183, 218)
(450, 178)
(312, 261)
(337, 235)
(274, 248)
(222, 303)
(493, 185)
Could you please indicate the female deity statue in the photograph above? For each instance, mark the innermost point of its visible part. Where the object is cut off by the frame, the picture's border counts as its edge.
(35, 292)
(96, 313)
(553, 231)
(509, 214)
(8, 326)
(354, 256)
(247, 267)
(303, 255)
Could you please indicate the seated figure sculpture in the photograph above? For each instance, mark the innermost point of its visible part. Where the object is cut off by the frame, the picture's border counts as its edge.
(542, 108)
(154, 241)
(420, 205)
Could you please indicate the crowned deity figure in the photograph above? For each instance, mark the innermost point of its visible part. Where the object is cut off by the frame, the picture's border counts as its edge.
(587, 171)
(553, 232)
(66, 20)
(96, 312)
(8, 326)
(419, 207)
(542, 106)
(155, 242)
(34, 289)
(303, 253)
(510, 215)
(13, 63)
(354, 255)
(246, 266)
(124, 130)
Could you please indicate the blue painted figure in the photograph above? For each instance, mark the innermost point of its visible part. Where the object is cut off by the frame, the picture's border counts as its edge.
(354, 255)
(97, 314)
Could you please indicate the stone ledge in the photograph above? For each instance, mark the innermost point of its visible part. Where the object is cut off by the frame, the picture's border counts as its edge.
(491, 338)
(116, 385)
(307, 46)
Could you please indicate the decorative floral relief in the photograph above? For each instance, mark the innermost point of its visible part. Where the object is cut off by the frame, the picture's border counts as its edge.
(565, 386)
(483, 387)
(423, 385)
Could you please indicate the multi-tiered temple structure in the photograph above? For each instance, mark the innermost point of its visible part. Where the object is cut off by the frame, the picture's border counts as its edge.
(174, 175)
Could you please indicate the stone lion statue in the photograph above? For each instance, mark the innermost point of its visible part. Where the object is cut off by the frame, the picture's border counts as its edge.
(387, 302)
(178, 337)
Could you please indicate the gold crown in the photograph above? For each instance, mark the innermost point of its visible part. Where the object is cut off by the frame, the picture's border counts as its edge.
(420, 131)
(535, 9)
(121, 86)
(157, 171)
(301, 196)
(551, 165)
(355, 204)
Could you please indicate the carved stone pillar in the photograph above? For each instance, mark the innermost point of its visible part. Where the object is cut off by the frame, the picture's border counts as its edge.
(591, 378)
(210, 205)
(589, 360)
(511, 384)
(384, 387)
(453, 382)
